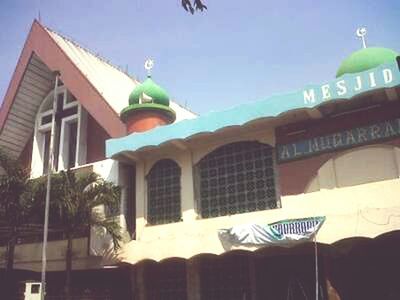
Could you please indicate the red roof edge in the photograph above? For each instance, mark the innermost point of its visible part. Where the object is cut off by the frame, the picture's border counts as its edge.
(42, 44)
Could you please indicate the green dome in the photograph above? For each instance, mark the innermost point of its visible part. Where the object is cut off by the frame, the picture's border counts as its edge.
(150, 91)
(135, 108)
(365, 59)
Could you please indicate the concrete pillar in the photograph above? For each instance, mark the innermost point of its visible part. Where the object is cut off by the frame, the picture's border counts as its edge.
(140, 285)
(140, 199)
(132, 277)
(187, 190)
(252, 275)
(193, 283)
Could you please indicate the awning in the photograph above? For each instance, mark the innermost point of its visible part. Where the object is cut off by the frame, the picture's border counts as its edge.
(345, 87)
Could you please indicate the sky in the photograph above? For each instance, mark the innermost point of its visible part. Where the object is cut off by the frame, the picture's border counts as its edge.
(235, 52)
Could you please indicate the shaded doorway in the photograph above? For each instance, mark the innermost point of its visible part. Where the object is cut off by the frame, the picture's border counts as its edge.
(288, 277)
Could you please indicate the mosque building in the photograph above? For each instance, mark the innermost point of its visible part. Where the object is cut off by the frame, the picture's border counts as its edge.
(294, 196)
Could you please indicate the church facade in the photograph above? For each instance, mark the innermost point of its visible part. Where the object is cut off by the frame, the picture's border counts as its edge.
(220, 206)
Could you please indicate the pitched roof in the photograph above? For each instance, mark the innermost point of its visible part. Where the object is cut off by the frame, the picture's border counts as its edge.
(82, 72)
(113, 84)
(100, 87)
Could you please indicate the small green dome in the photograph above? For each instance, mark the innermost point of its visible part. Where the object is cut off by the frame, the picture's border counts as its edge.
(135, 108)
(150, 92)
(365, 59)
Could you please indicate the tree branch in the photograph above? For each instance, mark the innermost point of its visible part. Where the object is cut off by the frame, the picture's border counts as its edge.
(198, 5)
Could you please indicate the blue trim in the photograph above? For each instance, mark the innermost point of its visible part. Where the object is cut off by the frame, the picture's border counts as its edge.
(270, 107)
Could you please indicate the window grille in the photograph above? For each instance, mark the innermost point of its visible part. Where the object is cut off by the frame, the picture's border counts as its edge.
(164, 193)
(236, 178)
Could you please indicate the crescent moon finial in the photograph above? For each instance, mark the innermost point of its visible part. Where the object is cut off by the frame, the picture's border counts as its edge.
(361, 33)
(148, 65)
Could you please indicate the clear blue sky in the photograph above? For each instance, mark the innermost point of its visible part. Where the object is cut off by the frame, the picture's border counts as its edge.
(237, 51)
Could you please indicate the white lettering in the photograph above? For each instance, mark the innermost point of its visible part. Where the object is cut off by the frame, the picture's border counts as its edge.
(359, 85)
(350, 138)
(322, 143)
(341, 85)
(337, 140)
(285, 153)
(372, 79)
(389, 130)
(387, 76)
(309, 96)
(362, 135)
(325, 91)
(296, 153)
(375, 132)
(313, 145)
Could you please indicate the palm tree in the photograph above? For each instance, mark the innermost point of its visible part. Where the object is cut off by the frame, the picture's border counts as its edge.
(15, 206)
(76, 199)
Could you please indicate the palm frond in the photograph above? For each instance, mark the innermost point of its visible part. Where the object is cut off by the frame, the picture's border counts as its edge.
(15, 191)
(75, 198)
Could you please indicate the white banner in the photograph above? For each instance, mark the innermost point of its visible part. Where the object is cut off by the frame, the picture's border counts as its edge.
(282, 233)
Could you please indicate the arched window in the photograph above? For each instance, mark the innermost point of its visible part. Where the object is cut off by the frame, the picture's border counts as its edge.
(69, 135)
(164, 193)
(236, 178)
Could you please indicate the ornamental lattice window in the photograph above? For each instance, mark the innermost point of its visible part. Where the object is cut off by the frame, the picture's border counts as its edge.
(164, 193)
(236, 178)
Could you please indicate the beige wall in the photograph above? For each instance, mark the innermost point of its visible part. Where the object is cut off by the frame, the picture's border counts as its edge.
(186, 157)
(29, 256)
(358, 166)
(356, 191)
(362, 210)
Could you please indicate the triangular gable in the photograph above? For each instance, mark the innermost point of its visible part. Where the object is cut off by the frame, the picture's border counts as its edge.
(44, 52)
(113, 84)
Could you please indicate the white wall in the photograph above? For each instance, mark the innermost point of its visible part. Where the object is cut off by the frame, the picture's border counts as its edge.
(181, 112)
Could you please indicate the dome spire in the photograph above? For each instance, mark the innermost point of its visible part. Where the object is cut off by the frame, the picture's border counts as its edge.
(148, 65)
(361, 33)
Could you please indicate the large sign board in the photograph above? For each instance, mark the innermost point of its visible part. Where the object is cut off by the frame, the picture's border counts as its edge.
(339, 140)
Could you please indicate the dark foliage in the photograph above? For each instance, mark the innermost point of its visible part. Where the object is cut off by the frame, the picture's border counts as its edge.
(197, 5)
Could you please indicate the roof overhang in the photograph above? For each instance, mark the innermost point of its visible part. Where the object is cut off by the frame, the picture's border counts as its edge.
(17, 115)
(33, 78)
(315, 101)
